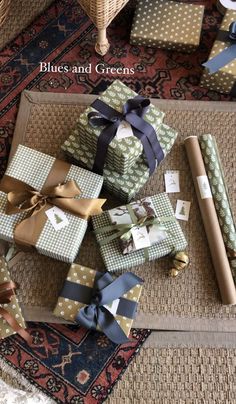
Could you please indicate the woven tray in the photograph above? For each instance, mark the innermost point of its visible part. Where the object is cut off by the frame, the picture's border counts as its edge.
(190, 302)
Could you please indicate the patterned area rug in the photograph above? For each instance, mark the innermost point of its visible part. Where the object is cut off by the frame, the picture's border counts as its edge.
(70, 364)
(64, 35)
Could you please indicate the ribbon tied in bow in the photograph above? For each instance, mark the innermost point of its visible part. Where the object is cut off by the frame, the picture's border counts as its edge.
(6, 294)
(133, 112)
(106, 290)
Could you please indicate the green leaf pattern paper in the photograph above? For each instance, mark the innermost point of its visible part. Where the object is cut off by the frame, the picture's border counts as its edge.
(122, 153)
(220, 194)
(123, 186)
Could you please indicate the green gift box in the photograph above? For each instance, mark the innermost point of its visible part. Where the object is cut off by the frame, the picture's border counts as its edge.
(60, 234)
(168, 25)
(80, 287)
(111, 251)
(12, 307)
(122, 152)
(223, 80)
(123, 186)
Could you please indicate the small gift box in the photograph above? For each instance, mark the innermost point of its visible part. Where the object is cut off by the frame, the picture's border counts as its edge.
(108, 236)
(123, 186)
(45, 203)
(139, 212)
(112, 127)
(220, 69)
(11, 319)
(99, 301)
(168, 25)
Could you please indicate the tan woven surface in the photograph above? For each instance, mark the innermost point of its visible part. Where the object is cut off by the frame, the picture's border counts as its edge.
(171, 376)
(191, 301)
(102, 12)
(21, 14)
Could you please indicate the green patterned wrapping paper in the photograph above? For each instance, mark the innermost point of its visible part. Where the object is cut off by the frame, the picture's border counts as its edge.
(32, 167)
(112, 255)
(123, 186)
(168, 25)
(220, 193)
(12, 307)
(122, 153)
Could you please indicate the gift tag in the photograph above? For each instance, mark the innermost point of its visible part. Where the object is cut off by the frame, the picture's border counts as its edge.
(57, 218)
(124, 130)
(204, 187)
(182, 210)
(140, 237)
(172, 181)
(112, 307)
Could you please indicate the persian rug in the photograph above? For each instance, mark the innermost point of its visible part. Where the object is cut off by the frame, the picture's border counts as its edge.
(64, 35)
(70, 364)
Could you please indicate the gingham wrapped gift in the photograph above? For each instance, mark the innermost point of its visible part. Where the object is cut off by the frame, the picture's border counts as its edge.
(109, 239)
(123, 186)
(99, 301)
(45, 203)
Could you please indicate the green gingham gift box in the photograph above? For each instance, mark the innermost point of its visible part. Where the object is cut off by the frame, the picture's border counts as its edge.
(122, 153)
(111, 252)
(33, 168)
(123, 186)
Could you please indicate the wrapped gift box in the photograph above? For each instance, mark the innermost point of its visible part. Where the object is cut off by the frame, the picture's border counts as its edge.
(138, 211)
(82, 279)
(224, 80)
(122, 153)
(168, 25)
(34, 168)
(123, 186)
(111, 252)
(12, 308)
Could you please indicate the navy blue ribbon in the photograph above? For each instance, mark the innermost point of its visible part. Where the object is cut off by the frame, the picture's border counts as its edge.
(133, 112)
(228, 54)
(104, 292)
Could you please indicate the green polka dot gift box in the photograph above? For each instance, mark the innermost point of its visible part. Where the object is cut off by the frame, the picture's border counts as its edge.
(168, 25)
(78, 290)
(36, 219)
(125, 148)
(125, 186)
(12, 307)
(111, 249)
(223, 80)
(220, 196)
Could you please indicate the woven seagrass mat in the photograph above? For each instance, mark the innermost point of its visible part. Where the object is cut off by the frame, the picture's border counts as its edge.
(21, 14)
(190, 302)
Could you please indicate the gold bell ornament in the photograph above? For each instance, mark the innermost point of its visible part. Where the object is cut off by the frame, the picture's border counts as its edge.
(180, 261)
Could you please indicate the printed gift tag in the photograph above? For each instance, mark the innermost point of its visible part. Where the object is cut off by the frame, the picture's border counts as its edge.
(140, 237)
(182, 210)
(204, 187)
(172, 182)
(57, 218)
(124, 130)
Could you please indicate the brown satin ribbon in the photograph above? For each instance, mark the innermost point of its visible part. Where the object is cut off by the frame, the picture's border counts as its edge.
(24, 198)
(6, 294)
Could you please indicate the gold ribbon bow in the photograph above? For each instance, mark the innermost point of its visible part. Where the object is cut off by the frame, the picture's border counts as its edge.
(24, 198)
(6, 294)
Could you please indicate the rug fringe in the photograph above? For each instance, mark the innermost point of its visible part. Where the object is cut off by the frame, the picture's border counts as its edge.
(21, 380)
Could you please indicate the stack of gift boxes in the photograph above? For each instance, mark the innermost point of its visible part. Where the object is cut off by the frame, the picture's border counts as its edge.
(45, 204)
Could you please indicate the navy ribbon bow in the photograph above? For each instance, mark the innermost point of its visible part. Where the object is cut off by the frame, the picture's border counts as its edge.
(105, 291)
(228, 54)
(133, 113)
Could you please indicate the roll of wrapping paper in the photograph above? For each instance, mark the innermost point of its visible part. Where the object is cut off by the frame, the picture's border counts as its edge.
(220, 196)
(210, 221)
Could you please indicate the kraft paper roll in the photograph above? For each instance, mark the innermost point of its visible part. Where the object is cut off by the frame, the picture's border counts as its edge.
(210, 221)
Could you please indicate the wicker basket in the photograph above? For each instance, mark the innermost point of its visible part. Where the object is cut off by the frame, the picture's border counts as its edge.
(102, 12)
(4, 9)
